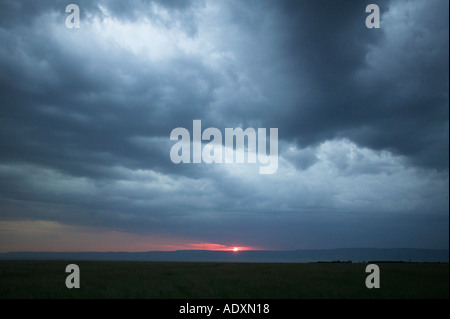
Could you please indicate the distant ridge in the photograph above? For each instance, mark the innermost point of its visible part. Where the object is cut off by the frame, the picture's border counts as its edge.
(295, 256)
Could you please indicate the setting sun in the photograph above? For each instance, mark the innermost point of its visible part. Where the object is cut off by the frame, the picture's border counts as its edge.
(235, 249)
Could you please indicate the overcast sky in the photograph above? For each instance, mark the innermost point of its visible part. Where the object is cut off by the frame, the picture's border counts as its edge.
(86, 116)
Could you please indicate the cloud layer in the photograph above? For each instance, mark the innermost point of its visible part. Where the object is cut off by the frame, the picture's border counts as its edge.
(86, 114)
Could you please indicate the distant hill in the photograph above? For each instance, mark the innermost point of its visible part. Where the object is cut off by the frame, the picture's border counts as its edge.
(294, 256)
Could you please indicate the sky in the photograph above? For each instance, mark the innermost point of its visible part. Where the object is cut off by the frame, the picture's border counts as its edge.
(86, 116)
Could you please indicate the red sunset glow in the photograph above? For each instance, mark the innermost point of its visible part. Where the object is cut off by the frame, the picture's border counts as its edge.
(219, 247)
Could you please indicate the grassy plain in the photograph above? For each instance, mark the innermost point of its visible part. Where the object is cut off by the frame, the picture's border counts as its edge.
(159, 280)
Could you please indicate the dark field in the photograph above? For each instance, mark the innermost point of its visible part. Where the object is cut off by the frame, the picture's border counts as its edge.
(46, 279)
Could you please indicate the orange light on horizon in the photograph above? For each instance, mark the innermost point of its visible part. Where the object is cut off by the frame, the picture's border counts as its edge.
(218, 247)
(59, 237)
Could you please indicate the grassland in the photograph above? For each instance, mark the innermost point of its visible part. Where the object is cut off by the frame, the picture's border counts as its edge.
(46, 279)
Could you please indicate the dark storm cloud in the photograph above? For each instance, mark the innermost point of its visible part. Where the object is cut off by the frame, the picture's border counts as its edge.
(16, 13)
(385, 89)
(321, 49)
(85, 118)
(75, 112)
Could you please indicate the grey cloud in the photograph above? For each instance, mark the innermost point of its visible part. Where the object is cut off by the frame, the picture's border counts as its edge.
(303, 159)
(84, 125)
(328, 76)
(22, 13)
(80, 114)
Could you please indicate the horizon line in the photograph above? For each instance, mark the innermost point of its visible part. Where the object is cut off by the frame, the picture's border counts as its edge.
(230, 250)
